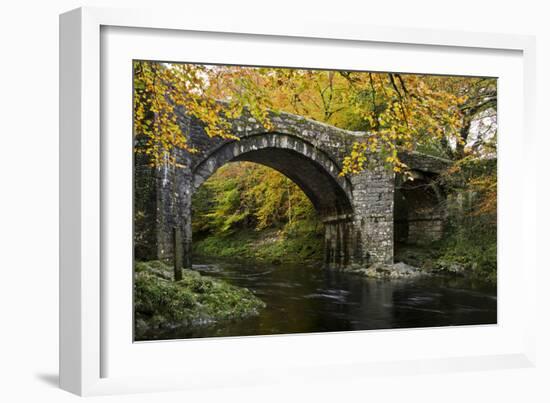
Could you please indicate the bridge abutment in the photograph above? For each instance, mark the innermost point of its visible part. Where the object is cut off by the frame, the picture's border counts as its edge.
(373, 193)
(364, 237)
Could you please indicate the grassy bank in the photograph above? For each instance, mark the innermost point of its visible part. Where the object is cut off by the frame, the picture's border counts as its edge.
(475, 250)
(460, 252)
(195, 300)
(299, 244)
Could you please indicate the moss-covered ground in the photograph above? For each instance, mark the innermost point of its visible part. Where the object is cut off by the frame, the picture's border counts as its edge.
(161, 302)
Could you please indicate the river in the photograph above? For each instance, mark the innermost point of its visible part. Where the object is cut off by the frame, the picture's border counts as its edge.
(305, 299)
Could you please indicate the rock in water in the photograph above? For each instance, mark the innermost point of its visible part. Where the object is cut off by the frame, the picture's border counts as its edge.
(396, 270)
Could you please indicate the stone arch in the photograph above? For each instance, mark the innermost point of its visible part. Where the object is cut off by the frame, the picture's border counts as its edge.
(306, 165)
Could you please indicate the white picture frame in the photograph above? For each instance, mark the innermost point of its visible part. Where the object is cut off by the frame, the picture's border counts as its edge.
(88, 335)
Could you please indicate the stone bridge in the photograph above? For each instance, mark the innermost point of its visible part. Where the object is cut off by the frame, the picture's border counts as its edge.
(364, 214)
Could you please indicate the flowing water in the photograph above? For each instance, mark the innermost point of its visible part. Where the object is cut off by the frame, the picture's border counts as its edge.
(305, 299)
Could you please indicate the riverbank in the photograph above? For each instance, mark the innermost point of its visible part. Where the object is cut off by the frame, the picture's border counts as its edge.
(301, 244)
(306, 246)
(436, 259)
(195, 300)
(463, 257)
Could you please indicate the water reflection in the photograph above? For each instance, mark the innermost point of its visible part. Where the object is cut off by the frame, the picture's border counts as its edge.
(302, 299)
